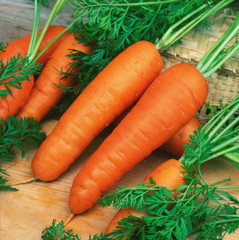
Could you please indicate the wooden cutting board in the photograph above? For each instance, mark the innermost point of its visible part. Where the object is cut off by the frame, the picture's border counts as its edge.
(25, 213)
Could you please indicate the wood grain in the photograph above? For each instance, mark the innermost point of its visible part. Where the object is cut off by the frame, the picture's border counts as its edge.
(16, 18)
(25, 213)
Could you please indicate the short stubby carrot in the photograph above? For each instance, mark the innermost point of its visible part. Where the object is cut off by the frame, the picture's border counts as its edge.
(13, 102)
(175, 145)
(172, 99)
(46, 93)
(113, 90)
(21, 45)
(168, 174)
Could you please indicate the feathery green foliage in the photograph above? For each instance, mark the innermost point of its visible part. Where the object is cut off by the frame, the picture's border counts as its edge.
(15, 134)
(15, 72)
(57, 231)
(112, 26)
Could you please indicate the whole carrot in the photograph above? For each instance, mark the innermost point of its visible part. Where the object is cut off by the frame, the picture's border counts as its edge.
(211, 141)
(46, 93)
(43, 168)
(172, 99)
(20, 46)
(113, 90)
(160, 175)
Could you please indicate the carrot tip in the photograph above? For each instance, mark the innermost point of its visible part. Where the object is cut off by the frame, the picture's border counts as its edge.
(69, 218)
(33, 179)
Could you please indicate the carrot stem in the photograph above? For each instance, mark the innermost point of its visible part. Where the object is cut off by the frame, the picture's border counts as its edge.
(56, 9)
(170, 37)
(233, 156)
(217, 56)
(53, 41)
(35, 26)
(223, 137)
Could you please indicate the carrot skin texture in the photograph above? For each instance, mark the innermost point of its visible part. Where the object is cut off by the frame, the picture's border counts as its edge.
(169, 102)
(46, 93)
(168, 174)
(20, 46)
(11, 104)
(175, 145)
(113, 90)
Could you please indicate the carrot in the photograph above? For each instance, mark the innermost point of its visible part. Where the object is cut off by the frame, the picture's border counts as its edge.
(175, 145)
(172, 168)
(20, 46)
(172, 99)
(171, 174)
(11, 104)
(46, 93)
(113, 90)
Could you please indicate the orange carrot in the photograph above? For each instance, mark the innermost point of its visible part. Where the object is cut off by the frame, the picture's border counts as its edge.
(46, 93)
(172, 99)
(175, 145)
(13, 102)
(113, 90)
(172, 168)
(20, 46)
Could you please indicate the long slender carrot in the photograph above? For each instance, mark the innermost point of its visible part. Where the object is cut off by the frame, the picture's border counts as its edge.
(172, 99)
(20, 46)
(169, 173)
(46, 93)
(12, 103)
(113, 90)
(172, 168)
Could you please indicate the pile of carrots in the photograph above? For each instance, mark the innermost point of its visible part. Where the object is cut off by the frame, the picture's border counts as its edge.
(112, 92)
(132, 76)
(162, 116)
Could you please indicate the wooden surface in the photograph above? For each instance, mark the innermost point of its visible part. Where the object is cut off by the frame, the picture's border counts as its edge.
(24, 214)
